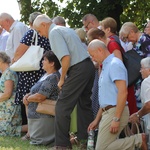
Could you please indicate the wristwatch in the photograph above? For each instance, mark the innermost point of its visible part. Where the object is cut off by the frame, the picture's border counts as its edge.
(137, 114)
(116, 119)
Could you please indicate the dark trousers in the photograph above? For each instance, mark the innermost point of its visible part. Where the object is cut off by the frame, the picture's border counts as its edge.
(76, 90)
(23, 114)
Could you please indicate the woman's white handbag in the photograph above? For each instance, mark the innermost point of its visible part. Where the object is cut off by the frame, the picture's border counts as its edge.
(30, 60)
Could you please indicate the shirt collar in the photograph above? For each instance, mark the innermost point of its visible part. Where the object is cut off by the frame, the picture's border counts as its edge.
(108, 59)
(52, 26)
(13, 25)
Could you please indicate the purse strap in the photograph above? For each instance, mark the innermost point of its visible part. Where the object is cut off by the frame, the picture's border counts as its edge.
(128, 131)
(35, 36)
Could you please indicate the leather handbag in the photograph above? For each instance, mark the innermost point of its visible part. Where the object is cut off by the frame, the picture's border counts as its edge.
(30, 60)
(46, 107)
(134, 128)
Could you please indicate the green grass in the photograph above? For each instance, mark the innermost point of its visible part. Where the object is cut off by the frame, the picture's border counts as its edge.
(15, 143)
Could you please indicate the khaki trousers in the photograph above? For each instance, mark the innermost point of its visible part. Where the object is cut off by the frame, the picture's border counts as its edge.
(109, 141)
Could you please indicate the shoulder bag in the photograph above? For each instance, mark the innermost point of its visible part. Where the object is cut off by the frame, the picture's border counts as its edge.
(46, 107)
(131, 60)
(30, 60)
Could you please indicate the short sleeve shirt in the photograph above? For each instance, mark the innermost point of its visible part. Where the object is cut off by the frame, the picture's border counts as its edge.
(113, 69)
(64, 41)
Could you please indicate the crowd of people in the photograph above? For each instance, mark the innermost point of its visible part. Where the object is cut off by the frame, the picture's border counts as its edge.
(83, 70)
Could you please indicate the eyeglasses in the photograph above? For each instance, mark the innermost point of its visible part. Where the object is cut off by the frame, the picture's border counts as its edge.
(86, 27)
(126, 38)
(144, 68)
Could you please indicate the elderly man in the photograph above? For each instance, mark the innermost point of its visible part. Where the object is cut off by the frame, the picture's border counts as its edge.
(16, 29)
(113, 114)
(58, 20)
(90, 21)
(76, 80)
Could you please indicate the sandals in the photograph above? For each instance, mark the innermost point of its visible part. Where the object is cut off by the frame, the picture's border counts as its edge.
(73, 139)
(25, 137)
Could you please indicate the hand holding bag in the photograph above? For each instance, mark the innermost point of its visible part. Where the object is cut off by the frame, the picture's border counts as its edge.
(46, 107)
(30, 61)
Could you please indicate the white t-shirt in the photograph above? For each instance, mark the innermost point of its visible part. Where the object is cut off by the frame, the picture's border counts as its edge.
(145, 97)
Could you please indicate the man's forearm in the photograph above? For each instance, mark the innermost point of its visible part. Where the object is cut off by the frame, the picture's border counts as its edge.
(121, 99)
(65, 61)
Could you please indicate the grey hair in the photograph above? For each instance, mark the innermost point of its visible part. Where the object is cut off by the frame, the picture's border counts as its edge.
(4, 16)
(127, 27)
(41, 18)
(33, 16)
(89, 17)
(146, 62)
(4, 58)
(59, 20)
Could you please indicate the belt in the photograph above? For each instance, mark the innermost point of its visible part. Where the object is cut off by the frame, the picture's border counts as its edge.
(108, 107)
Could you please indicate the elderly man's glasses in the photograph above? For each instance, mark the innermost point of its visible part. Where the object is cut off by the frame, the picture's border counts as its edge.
(86, 27)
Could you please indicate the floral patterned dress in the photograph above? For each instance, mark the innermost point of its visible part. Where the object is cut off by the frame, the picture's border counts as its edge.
(10, 114)
(142, 47)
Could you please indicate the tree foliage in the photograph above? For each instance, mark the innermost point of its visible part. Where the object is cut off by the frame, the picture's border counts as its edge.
(29, 6)
(136, 11)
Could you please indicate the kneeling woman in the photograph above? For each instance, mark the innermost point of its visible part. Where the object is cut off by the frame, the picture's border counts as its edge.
(41, 126)
(10, 114)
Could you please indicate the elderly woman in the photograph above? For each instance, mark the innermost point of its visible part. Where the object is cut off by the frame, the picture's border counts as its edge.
(129, 32)
(145, 97)
(10, 114)
(28, 78)
(41, 126)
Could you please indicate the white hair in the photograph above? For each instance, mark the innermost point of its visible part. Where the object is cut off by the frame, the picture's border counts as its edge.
(5, 16)
(146, 62)
(41, 18)
(95, 44)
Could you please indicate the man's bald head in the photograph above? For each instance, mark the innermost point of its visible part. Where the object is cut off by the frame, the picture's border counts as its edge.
(98, 51)
(96, 44)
